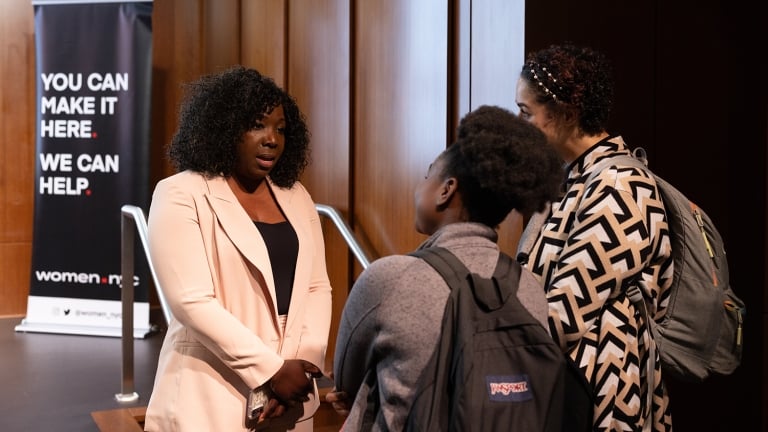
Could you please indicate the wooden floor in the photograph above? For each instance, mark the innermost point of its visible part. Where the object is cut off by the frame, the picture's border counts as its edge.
(68, 383)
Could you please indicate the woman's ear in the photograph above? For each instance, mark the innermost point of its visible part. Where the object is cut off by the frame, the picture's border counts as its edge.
(448, 188)
(570, 118)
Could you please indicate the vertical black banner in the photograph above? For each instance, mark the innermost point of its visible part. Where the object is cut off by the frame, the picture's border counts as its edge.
(94, 65)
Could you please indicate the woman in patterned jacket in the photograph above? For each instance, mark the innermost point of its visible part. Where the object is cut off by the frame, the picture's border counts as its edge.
(608, 231)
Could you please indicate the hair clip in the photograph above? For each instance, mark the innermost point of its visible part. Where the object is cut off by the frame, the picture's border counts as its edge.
(538, 80)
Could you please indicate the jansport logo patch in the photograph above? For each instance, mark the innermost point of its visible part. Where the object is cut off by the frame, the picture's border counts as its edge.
(508, 388)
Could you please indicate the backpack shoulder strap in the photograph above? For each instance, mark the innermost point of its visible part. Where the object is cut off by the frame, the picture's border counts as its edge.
(444, 262)
(489, 293)
(638, 159)
(507, 269)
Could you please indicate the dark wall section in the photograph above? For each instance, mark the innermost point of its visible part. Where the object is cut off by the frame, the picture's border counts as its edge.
(690, 89)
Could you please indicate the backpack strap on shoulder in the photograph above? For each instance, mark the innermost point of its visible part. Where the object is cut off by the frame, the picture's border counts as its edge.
(508, 270)
(444, 262)
(488, 292)
(638, 159)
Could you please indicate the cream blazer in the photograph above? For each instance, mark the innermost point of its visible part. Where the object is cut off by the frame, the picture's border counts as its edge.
(214, 269)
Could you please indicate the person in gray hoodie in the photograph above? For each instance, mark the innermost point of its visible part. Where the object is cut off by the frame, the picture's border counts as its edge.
(391, 320)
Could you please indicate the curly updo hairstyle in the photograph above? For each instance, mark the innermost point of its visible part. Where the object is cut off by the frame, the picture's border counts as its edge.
(572, 79)
(502, 163)
(217, 111)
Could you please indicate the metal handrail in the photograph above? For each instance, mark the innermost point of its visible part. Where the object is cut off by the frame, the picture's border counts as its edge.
(346, 232)
(135, 215)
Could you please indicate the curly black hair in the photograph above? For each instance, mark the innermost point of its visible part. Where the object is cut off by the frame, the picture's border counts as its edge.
(570, 78)
(502, 163)
(217, 111)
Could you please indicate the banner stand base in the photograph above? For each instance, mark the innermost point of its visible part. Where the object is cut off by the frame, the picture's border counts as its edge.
(31, 327)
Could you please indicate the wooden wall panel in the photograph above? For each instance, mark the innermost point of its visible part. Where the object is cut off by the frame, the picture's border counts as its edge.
(177, 53)
(320, 84)
(14, 269)
(221, 34)
(187, 48)
(263, 37)
(17, 150)
(400, 112)
(165, 90)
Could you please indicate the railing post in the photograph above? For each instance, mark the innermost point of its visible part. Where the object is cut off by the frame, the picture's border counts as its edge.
(128, 393)
(132, 217)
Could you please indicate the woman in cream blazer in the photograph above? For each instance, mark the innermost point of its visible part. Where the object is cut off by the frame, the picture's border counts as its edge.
(216, 269)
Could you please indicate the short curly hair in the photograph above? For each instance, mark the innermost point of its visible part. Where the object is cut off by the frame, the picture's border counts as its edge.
(572, 78)
(502, 163)
(218, 109)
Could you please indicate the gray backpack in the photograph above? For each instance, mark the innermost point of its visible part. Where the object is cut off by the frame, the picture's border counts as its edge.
(701, 333)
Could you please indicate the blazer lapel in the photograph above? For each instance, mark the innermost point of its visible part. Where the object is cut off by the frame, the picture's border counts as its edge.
(239, 228)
